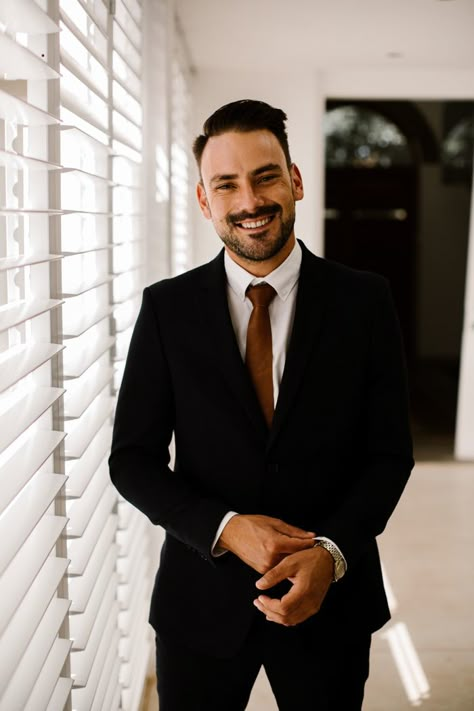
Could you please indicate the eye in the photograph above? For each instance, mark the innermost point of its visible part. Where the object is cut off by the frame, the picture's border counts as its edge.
(266, 178)
(224, 187)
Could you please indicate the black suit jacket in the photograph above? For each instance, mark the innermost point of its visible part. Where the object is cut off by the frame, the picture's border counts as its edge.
(335, 461)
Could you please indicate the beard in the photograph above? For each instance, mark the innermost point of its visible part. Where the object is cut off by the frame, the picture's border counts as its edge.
(258, 248)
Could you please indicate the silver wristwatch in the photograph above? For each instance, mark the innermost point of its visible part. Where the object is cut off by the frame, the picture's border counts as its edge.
(339, 561)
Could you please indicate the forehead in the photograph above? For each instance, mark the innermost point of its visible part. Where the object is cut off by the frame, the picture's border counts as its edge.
(236, 153)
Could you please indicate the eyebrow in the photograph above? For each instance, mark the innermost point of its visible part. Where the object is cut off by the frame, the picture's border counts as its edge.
(254, 173)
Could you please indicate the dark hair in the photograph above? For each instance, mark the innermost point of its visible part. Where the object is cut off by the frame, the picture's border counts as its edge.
(244, 116)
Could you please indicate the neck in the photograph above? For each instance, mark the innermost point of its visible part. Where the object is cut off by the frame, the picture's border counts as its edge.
(261, 269)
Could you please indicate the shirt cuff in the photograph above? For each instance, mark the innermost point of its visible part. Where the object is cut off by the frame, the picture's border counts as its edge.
(323, 538)
(216, 551)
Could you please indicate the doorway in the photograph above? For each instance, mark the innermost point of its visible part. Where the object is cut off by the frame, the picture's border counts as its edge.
(397, 198)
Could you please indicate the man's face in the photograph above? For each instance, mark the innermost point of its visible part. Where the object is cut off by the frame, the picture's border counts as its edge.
(249, 193)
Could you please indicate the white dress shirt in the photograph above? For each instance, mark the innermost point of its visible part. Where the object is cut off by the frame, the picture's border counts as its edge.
(284, 279)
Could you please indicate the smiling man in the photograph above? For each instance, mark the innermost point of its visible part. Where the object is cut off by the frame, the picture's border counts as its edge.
(281, 377)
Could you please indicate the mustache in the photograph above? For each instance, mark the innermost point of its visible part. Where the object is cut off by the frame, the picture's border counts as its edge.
(264, 211)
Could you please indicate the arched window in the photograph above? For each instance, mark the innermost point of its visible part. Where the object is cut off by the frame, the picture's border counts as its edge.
(359, 137)
(457, 150)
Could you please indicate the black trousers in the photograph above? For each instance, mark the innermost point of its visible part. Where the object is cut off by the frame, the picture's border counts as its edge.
(325, 672)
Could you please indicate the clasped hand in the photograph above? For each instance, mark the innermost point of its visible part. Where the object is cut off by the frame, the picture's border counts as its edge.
(281, 552)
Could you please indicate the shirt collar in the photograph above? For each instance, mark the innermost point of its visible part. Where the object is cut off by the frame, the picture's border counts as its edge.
(283, 278)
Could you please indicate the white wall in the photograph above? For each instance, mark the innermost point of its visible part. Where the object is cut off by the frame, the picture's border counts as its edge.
(297, 94)
(464, 445)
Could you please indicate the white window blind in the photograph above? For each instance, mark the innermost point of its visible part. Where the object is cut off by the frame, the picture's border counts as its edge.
(180, 156)
(76, 562)
(34, 644)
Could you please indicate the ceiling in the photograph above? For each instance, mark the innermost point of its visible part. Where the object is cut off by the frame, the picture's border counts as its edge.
(274, 34)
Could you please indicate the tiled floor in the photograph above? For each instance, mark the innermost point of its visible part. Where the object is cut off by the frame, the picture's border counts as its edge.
(428, 557)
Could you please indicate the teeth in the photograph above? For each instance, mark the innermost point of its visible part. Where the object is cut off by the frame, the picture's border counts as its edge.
(257, 223)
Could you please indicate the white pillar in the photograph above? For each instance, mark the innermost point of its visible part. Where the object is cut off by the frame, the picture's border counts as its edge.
(464, 440)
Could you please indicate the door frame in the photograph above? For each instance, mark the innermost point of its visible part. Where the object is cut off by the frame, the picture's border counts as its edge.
(428, 85)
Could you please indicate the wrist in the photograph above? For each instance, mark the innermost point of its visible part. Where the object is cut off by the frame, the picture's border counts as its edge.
(340, 565)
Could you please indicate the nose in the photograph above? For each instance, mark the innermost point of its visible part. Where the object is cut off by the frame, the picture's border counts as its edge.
(250, 198)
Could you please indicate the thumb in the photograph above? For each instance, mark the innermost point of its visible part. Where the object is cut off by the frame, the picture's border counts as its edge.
(273, 576)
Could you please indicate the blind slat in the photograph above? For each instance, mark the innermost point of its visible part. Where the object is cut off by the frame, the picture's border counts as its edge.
(80, 510)
(131, 695)
(112, 695)
(51, 690)
(71, 65)
(85, 176)
(21, 311)
(21, 466)
(85, 428)
(70, 102)
(135, 642)
(78, 362)
(81, 549)
(23, 360)
(123, 83)
(86, 42)
(22, 626)
(63, 685)
(99, 645)
(82, 625)
(87, 286)
(81, 396)
(86, 140)
(23, 413)
(21, 162)
(27, 671)
(126, 591)
(84, 321)
(7, 263)
(84, 468)
(129, 552)
(82, 586)
(86, 249)
(20, 518)
(103, 688)
(22, 571)
(29, 211)
(97, 12)
(83, 698)
(26, 17)
(14, 109)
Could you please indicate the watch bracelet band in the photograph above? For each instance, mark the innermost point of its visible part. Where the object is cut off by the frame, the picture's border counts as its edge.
(339, 562)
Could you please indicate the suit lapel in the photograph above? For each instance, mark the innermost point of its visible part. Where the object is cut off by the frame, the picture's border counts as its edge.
(218, 331)
(307, 323)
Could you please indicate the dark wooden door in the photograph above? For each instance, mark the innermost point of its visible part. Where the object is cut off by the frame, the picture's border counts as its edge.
(371, 224)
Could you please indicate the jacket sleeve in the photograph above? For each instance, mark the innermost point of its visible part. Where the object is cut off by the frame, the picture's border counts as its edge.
(143, 428)
(372, 495)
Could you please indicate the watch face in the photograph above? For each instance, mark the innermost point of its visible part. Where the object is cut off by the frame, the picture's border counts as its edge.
(338, 569)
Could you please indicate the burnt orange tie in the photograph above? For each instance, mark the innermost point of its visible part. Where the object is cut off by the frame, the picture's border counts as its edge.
(258, 354)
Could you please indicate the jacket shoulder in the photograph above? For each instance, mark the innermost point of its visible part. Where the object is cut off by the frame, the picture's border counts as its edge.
(341, 277)
(183, 284)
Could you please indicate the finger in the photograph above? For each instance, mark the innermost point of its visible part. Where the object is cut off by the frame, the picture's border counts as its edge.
(293, 531)
(275, 575)
(275, 611)
(270, 615)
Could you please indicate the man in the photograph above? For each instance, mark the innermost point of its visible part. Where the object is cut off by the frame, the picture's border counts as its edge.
(292, 443)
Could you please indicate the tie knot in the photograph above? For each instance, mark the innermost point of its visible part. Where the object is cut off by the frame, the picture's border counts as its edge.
(261, 294)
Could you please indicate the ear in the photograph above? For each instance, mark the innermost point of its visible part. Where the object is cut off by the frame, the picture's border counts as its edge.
(202, 200)
(297, 182)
